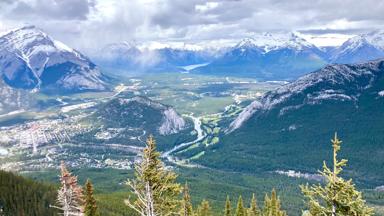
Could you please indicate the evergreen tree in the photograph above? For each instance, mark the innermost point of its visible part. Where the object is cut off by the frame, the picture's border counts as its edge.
(272, 206)
(154, 186)
(23, 196)
(70, 195)
(240, 210)
(228, 207)
(186, 205)
(254, 208)
(204, 209)
(90, 207)
(337, 197)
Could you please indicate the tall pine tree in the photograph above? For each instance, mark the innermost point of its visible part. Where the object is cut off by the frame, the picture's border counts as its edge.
(240, 210)
(156, 192)
(186, 205)
(90, 207)
(272, 206)
(254, 208)
(204, 209)
(338, 196)
(228, 207)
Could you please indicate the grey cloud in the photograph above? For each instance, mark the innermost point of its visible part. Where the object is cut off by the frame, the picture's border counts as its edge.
(92, 23)
(336, 31)
(52, 9)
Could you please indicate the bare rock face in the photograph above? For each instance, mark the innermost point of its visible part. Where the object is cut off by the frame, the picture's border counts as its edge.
(172, 122)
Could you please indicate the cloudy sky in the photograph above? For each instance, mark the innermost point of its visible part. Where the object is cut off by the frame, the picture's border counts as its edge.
(87, 24)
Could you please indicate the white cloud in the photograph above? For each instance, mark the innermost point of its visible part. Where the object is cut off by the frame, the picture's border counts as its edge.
(327, 39)
(89, 24)
(206, 7)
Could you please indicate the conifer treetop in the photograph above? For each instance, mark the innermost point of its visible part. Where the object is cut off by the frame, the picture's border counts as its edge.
(228, 207)
(155, 188)
(90, 207)
(254, 208)
(338, 196)
(186, 205)
(240, 210)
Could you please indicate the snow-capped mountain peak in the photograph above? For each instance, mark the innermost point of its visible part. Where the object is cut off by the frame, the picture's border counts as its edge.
(298, 42)
(29, 40)
(376, 38)
(360, 48)
(247, 43)
(27, 54)
(268, 42)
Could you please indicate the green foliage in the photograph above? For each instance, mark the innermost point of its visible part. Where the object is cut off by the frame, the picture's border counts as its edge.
(204, 209)
(90, 207)
(266, 143)
(272, 206)
(110, 193)
(186, 205)
(240, 210)
(112, 204)
(21, 196)
(155, 189)
(129, 113)
(234, 184)
(228, 207)
(338, 196)
(254, 208)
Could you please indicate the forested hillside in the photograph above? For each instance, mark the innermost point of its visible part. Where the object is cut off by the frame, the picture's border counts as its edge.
(25, 197)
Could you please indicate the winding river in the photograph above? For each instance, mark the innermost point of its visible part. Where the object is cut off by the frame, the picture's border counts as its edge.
(200, 136)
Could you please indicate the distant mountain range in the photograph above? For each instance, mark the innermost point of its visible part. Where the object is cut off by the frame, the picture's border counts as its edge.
(129, 58)
(265, 56)
(289, 128)
(268, 57)
(30, 59)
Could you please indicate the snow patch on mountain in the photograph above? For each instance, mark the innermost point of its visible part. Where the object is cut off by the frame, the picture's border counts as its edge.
(61, 46)
(287, 109)
(318, 97)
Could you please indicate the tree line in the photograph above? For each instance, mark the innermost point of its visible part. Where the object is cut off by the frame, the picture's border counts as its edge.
(155, 192)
